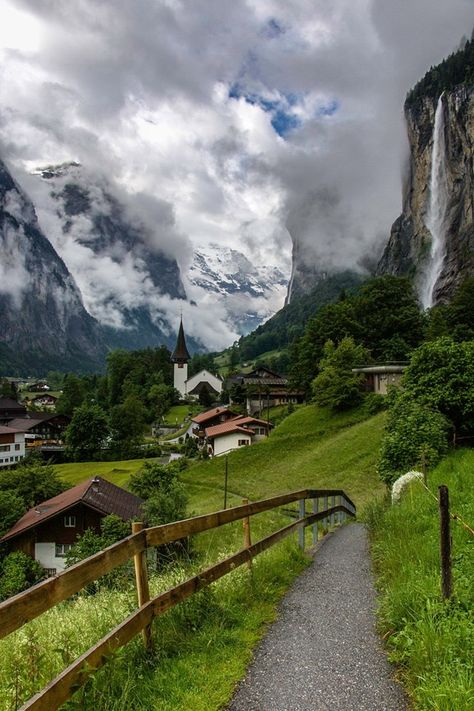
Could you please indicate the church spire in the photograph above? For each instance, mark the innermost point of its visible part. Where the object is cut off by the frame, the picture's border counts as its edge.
(180, 353)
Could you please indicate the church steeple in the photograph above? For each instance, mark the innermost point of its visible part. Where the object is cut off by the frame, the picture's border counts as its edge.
(180, 353)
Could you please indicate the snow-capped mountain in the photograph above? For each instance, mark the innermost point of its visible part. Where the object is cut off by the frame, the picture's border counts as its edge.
(43, 322)
(114, 253)
(250, 293)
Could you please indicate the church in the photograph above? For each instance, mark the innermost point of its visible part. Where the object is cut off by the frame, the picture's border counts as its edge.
(192, 387)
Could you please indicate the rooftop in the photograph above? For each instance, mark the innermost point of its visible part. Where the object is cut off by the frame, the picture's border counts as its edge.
(225, 428)
(97, 493)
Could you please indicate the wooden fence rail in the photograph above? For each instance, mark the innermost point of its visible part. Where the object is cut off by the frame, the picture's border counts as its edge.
(27, 605)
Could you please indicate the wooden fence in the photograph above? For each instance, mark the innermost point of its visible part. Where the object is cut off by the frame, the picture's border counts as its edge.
(330, 506)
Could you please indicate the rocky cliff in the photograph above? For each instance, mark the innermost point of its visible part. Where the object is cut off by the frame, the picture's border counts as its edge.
(433, 239)
(43, 322)
(124, 275)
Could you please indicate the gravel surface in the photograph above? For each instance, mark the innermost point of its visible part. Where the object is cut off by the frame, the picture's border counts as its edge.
(323, 652)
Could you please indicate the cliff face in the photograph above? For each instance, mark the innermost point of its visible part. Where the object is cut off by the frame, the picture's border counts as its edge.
(43, 323)
(409, 250)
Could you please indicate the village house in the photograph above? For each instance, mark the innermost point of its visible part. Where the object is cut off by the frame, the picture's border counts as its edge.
(378, 378)
(227, 436)
(42, 426)
(210, 418)
(48, 531)
(12, 446)
(9, 409)
(240, 431)
(264, 389)
(46, 400)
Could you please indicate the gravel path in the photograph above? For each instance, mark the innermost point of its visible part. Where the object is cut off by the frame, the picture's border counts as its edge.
(323, 653)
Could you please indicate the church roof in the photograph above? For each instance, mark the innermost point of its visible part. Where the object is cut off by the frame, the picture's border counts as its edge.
(180, 353)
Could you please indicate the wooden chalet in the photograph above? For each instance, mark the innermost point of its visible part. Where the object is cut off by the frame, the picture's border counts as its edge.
(10, 409)
(42, 426)
(210, 418)
(47, 531)
(265, 388)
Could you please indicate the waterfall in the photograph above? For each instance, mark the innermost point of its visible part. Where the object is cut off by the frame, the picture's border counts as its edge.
(435, 216)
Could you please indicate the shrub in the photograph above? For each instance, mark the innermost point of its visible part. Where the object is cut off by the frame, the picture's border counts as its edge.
(337, 386)
(18, 572)
(414, 431)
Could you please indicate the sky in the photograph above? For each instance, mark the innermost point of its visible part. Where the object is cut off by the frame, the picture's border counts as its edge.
(250, 124)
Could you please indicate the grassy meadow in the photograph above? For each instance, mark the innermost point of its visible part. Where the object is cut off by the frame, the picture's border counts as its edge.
(431, 641)
(203, 646)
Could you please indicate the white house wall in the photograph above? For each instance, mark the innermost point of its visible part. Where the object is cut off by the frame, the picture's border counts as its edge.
(12, 452)
(206, 377)
(229, 441)
(45, 554)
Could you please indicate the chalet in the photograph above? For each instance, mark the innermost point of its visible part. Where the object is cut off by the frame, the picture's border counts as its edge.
(45, 400)
(259, 428)
(210, 418)
(12, 446)
(378, 378)
(42, 426)
(10, 409)
(47, 531)
(40, 386)
(239, 431)
(226, 437)
(265, 388)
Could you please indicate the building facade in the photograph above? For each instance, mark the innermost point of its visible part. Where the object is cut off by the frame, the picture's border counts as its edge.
(12, 446)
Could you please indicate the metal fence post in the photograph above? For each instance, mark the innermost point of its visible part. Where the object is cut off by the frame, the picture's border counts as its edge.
(315, 524)
(301, 530)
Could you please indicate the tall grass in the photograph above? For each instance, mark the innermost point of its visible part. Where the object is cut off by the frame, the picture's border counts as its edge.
(431, 640)
(202, 646)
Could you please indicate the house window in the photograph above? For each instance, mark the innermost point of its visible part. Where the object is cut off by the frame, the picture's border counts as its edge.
(4, 448)
(17, 447)
(70, 521)
(62, 548)
(50, 571)
(242, 442)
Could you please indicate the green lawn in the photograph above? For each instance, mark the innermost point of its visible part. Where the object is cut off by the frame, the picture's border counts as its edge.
(204, 646)
(116, 472)
(177, 413)
(309, 449)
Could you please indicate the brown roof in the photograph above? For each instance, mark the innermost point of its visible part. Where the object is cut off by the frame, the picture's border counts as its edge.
(225, 428)
(210, 414)
(9, 430)
(99, 494)
(243, 420)
(7, 403)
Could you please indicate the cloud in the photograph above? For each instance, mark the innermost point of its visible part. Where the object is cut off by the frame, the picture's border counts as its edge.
(237, 123)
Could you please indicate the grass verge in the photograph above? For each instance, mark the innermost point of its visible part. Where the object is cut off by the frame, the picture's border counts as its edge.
(202, 647)
(431, 641)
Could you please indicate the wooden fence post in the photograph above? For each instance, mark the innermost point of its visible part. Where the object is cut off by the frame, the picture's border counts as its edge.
(445, 543)
(247, 535)
(325, 508)
(141, 578)
(301, 530)
(333, 503)
(315, 525)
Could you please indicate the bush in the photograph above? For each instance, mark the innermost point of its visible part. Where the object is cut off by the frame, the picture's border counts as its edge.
(18, 572)
(374, 403)
(414, 432)
(337, 386)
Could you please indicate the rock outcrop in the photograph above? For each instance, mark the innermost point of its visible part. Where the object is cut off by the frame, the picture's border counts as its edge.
(409, 250)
